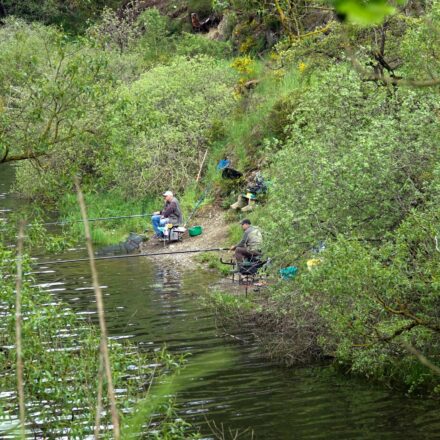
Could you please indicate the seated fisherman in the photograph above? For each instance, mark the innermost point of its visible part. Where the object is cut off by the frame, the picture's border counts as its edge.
(171, 213)
(251, 243)
(256, 186)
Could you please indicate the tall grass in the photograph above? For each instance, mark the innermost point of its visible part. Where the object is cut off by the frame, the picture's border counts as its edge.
(249, 125)
(103, 346)
(108, 205)
(107, 232)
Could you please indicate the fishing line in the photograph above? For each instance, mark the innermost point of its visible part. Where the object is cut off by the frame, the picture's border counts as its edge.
(116, 257)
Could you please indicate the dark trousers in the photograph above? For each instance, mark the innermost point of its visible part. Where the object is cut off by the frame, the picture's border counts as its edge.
(242, 253)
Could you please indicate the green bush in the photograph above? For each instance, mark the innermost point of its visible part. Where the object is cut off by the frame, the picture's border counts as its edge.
(378, 299)
(194, 44)
(160, 124)
(201, 7)
(347, 148)
(72, 15)
(358, 171)
(55, 106)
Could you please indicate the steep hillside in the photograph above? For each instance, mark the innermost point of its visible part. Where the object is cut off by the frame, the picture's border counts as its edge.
(334, 105)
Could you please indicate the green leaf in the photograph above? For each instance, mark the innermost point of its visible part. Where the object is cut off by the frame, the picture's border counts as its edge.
(364, 12)
(204, 365)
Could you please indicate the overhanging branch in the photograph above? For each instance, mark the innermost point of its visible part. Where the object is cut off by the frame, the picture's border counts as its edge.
(25, 156)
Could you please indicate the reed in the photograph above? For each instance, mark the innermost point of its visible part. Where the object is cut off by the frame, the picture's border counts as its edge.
(18, 322)
(100, 306)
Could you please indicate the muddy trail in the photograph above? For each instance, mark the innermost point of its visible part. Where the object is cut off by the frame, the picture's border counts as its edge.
(214, 235)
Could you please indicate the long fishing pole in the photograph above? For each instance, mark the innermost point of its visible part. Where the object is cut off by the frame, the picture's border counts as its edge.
(115, 257)
(199, 202)
(96, 220)
(90, 220)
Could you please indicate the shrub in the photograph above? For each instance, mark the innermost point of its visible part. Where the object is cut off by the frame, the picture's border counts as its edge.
(160, 124)
(201, 7)
(194, 44)
(347, 148)
(358, 171)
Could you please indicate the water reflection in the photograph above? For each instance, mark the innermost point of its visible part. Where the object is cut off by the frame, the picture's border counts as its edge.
(156, 304)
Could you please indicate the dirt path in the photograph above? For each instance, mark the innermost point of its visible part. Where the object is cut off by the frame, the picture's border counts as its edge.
(215, 232)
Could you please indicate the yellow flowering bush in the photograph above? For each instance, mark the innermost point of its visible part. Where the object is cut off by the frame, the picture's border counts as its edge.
(244, 65)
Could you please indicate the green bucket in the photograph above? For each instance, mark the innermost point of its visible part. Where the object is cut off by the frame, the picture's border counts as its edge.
(194, 231)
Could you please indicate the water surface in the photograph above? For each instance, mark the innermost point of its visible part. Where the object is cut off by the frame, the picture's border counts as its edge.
(153, 304)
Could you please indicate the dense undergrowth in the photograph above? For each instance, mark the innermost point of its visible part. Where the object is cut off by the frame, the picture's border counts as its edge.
(342, 119)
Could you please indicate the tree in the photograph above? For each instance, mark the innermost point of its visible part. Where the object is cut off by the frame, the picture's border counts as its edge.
(49, 89)
(70, 13)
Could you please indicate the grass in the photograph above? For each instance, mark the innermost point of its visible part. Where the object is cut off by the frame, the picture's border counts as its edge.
(241, 137)
(112, 204)
(213, 262)
(226, 303)
(235, 233)
(108, 205)
(245, 131)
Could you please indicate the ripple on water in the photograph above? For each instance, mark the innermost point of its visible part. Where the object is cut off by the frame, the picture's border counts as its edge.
(149, 306)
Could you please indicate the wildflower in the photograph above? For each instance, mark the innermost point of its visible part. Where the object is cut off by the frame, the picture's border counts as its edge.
(302, 67)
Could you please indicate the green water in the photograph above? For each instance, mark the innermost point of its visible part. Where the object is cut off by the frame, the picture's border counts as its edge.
(154, 304)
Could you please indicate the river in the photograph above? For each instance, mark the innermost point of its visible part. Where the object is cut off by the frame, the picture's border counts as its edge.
(154, 305)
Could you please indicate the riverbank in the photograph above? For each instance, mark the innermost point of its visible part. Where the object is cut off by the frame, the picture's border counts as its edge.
(152, 306)
(215, 234)
(320, 118)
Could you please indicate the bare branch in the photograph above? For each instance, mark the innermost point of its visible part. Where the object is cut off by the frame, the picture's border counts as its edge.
(423, 360)
(99, 398)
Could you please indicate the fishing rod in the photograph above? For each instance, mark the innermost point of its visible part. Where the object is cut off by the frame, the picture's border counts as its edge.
(96, 220)
(93, 220)
(198, 203)
(115, 257)
(30, 225)
(90, 220)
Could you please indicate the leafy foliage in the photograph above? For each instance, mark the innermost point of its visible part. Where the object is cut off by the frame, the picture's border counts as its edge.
(420, 46)
(71, 13)
(358, 173)
(61, 363)
(160, 124)
(352, 145)
(364, 12)
(351, 150)
(376, 300)
(53, 110)
(348, 148)
(52, 93)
